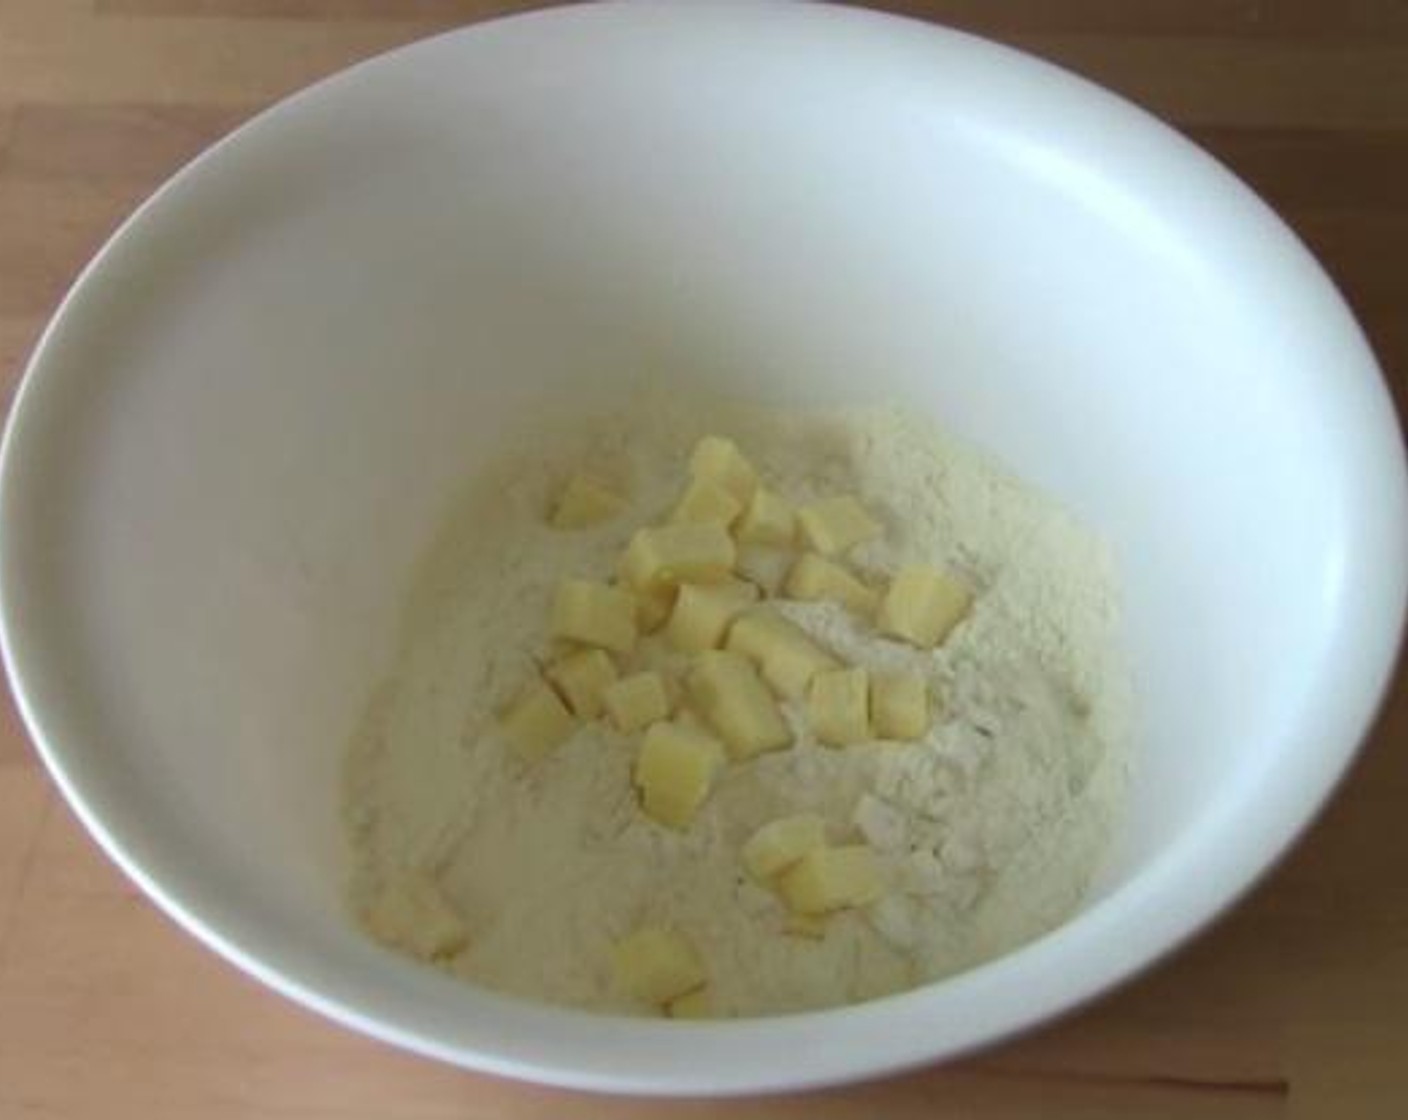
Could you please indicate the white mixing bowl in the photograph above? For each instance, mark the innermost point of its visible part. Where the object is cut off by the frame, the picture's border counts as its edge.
(251, 412)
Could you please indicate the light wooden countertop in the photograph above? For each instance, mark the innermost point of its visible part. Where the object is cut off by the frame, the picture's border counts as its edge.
(1294, 1005)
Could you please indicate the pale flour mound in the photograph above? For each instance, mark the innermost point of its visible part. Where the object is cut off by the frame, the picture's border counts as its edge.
(990, 829)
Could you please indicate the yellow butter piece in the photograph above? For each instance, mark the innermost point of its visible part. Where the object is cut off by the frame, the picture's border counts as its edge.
(838, 706)
(729, 693)
(814, 578)
(653, 607)
(581, 678)
(585, 501)
(698, 1004)
(770, 519)
(702, 613)
(792, 665)
(923, 604)
(779, 844)
(594, 614)
(674, 771)
(787, 657)
(412, 913)
(689, 552)
(706, 500)
(537, 723)
(828, 879)
(718, 459)
(764, 566)
(637, 701)
(656, 965)
(757, 633)
(899, 706)
(790, 670)
(834, 525)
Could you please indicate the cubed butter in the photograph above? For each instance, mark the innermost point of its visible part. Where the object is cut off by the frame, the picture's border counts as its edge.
(637, 701)
(828, 879)
(653, 607)
(675, 770)
(594, 614)
(769, 519)
(923, 604)
(779, 844)
(656, 965)
(790, 669)
(698, 1004)
(585, 501)
(581, 678)
(838, 706)
(706, 500)
(411, 913)
(899, 706)
(833, 525)
(733, 699)
(718, 459)
(703, 612)
(788, 658)
(537, 723)
(816, 579)
(764, 566)
(757, 633)
(689, 552)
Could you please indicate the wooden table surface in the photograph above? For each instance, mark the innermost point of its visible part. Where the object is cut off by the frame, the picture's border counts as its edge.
(1295, 1005)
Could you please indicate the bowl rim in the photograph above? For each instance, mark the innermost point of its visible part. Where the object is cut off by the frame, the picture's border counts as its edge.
(864, 1041)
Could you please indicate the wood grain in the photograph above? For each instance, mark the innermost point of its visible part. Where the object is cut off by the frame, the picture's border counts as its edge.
(1296, 1005)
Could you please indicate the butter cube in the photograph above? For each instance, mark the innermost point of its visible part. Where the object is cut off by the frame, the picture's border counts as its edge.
(585, 501)
(656, 965)
(769, 519)
(719, 460)
(637, 701)
(836, 524)
(828, 879)
(838, 706)
(675, 770)
(765, 567)
(412, 913)
(757, 633)
(581, 678)
(729, 693)
(815, 578)
(698, 1004)
(537, 723)
(595, 615)
(789, 659)
(779, 844)
(791, 668)
(653, 607)
(922, 605)
(899, 706)
(702, 613)
(707, 500)
(689, 552)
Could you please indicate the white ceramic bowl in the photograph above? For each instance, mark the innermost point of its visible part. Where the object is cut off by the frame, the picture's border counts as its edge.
(248, 416)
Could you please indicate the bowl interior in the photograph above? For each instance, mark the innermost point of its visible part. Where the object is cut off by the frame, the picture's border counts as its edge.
(253, 413)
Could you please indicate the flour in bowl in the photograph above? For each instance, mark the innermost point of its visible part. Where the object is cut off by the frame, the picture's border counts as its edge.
(530, 875)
